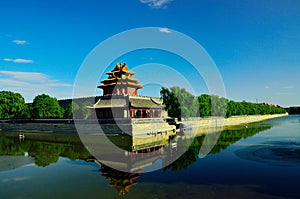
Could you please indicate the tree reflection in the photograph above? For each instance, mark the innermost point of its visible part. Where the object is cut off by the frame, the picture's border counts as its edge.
(12, 147)
(227, 138)
(43, 152)
(48, 151)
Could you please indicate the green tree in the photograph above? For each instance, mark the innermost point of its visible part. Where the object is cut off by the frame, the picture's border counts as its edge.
(171, 103)
(46, 107)
(218, 106)
(12, 105)
(72, 109)
(68, 114)
(179, 102)
(77, 111)
(204, 105)
(86, 111)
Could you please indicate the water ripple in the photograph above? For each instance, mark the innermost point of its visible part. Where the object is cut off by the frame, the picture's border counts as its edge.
(280, 153)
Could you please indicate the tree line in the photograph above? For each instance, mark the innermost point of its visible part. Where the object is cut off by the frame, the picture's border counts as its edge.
(182, 104)
(293, 110)
(13, 106)
(178, 101)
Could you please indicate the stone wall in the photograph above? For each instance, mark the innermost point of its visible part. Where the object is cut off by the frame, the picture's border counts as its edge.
(235, 120)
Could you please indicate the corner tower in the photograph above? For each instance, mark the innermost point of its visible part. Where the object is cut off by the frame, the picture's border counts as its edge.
(120, 82)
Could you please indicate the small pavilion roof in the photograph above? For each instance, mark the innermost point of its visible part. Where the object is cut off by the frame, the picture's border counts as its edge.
(144, 102)
(110, 102)
(122, 101)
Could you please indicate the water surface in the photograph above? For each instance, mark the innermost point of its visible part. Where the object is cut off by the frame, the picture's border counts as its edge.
(260, 161)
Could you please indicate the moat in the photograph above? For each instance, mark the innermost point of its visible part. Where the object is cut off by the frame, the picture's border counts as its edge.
(260, 160)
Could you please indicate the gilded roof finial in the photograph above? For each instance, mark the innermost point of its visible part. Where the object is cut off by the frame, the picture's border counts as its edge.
(118, 66)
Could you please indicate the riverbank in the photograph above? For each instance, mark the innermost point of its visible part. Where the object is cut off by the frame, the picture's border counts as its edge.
(201, 126)
(224, 122)
(67, 126)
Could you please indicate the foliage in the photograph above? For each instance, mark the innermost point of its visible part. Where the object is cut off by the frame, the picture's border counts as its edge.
(171, 102)
(68, 114)
(46, 107)
(248, 108)
(188, 157)
(12, 147)
(179, 102)
(294, 110)
(204, 105)
(12, 105)
(73, 110)
(227, 138)
(86, 111)
(44, 152)
(182, 104)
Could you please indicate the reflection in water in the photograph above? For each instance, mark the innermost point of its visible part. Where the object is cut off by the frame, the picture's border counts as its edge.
(227, 138)
(121, 181)
(13, 162)
(43, 152)
(280, 153)
(45, 149)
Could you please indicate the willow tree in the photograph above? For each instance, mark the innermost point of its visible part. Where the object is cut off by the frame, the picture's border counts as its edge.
(179, 102)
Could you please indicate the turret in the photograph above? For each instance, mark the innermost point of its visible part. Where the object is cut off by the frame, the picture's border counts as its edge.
(120, 81)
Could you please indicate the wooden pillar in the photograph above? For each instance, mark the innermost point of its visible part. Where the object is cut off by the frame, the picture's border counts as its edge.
(131, 113)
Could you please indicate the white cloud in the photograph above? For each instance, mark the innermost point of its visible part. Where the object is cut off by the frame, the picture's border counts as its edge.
(26, 76)
(7, 59)
(165, 30)
(18, 60)
(30, 84)
(287, 87)
(267, 87)
(156, 3)
(23, 61)
(20, 42)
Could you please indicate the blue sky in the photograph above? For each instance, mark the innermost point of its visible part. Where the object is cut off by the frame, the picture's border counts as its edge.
(254, 44)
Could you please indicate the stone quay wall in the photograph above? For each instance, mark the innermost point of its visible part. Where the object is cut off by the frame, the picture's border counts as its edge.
(138, 128)
(232, 121)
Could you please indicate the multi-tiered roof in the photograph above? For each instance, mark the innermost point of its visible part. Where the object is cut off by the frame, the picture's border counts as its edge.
(120, 81)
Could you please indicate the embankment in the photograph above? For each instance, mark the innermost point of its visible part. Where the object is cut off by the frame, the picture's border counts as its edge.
(67, 126)
(232, 121)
